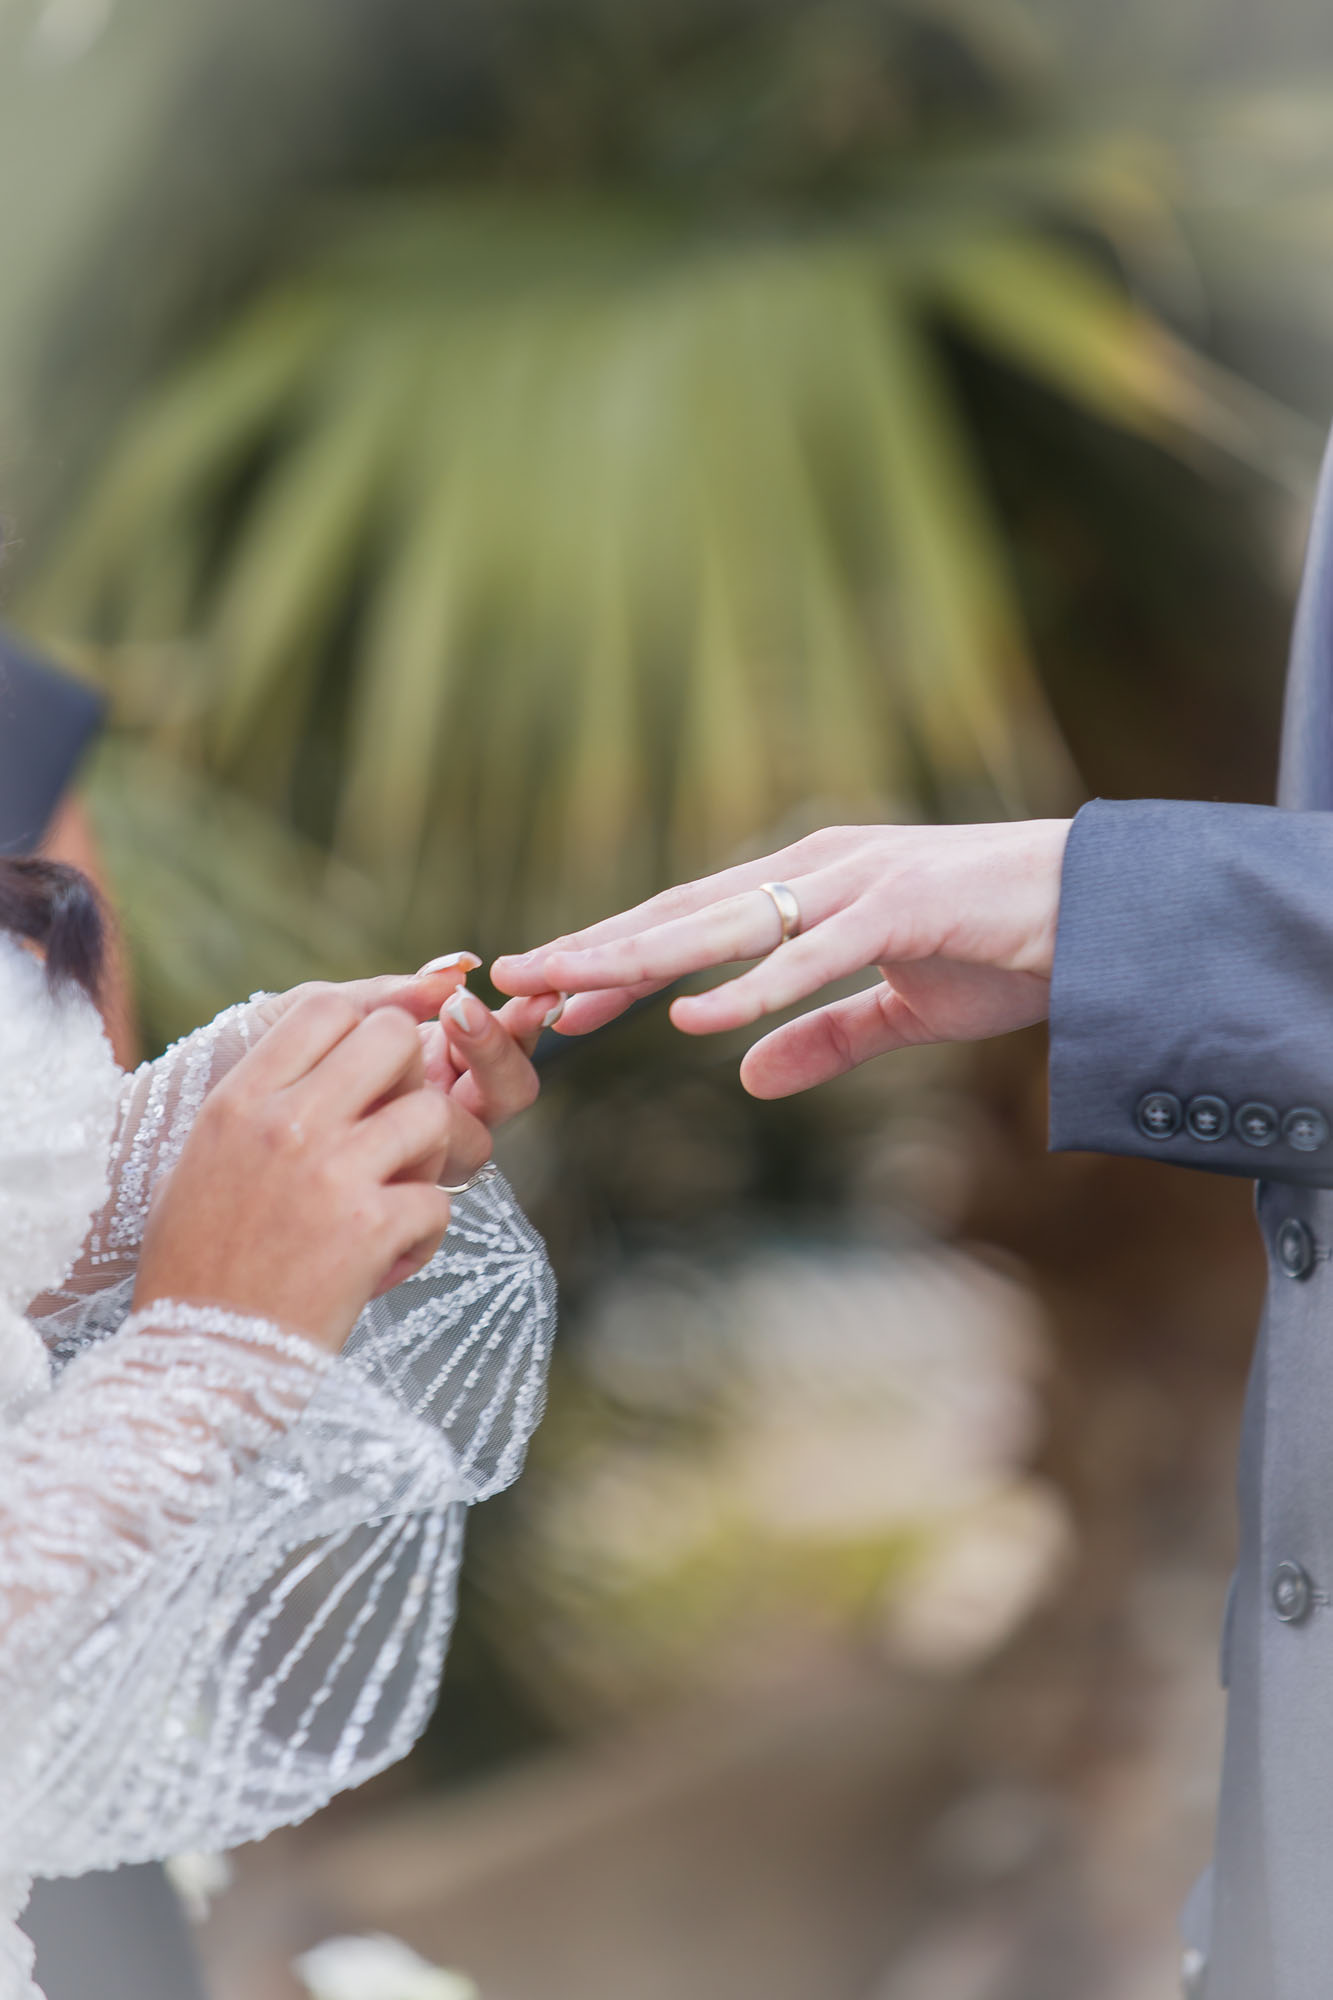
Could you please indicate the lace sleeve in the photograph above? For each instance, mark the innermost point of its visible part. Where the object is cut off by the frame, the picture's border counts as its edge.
(465, 1345)
(226, 1575)
(159, 1102)
(266, 1623)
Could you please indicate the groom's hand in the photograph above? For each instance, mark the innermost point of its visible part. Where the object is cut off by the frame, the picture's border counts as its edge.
(959, 921)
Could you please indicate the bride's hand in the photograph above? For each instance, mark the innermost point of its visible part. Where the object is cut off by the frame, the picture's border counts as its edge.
(483, 1061)
(959, 921)
(478, 1058)
(306, 1182)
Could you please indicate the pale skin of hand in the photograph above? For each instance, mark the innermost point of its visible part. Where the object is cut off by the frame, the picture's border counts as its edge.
(308, 1183)
(479, 1059)
(959, 921)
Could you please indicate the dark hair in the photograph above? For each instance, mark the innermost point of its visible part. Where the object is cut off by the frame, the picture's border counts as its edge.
(57, 908)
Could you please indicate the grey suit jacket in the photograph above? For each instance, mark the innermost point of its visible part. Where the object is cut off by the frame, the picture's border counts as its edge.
(1192, 1022)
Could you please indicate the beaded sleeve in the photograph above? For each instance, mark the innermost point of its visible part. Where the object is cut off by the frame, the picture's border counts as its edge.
(228, 1562)
(226, 1573)
(159, 1102)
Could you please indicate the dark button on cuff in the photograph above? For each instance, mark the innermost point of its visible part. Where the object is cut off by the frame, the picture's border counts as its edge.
(1208, 1118)
(1295, 1248)
(1293, 1593)
(1159, 1115)
(1305, 1128)
(1257, 1124)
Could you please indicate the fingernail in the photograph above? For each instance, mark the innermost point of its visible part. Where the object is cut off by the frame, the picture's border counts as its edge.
(549, 1020)
(467, 959)
(464, 1008)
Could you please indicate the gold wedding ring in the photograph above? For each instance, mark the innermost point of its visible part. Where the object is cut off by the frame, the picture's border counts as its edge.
(479, 1179)
(784, 902)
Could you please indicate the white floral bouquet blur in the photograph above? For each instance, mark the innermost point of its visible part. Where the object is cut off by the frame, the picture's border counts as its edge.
(746, 1466)
(377, 1968)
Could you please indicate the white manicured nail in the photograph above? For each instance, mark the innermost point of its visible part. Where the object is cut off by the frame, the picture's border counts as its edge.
(549, 1020)
(467, 959)
(464, 1008)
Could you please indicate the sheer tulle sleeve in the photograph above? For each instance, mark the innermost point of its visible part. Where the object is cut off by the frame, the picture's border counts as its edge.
(159, 1102)
(238, 1592)
(227, 1562)
(186, 1486)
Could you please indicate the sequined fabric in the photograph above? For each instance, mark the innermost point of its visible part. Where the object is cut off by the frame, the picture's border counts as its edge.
(228, 1561)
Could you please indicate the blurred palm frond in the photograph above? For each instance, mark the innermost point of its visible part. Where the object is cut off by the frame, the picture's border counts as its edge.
(530, 553)
(220, 899)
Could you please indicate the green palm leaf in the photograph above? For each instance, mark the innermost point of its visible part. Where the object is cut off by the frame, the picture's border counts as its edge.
(586, 550)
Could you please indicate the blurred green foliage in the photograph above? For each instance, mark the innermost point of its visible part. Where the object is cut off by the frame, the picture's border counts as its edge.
(596, 497)
(501, 454)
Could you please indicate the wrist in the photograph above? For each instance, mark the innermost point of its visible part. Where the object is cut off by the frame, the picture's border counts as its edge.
(1040, 866)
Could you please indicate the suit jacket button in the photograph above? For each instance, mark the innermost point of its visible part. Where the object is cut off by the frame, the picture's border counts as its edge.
(1293, 1593)
(1305, 1128)
(1208, 1118)
(1295, 1248)
(1257, 1124)
(1159, 1115)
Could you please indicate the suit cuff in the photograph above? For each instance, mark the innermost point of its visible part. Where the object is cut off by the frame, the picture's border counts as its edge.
(1192, 991)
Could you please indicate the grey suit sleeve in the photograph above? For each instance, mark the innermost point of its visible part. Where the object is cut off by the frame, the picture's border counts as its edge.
(1192, 997)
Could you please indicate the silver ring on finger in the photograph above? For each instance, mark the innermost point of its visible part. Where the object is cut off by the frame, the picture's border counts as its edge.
(783, 898)
(479, 1179)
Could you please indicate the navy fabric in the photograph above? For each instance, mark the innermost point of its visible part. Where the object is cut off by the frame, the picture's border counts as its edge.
(1193, 979)
(1195, 958)
(47, 721)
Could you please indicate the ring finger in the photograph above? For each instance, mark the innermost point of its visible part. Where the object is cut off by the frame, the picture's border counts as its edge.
(746, 926)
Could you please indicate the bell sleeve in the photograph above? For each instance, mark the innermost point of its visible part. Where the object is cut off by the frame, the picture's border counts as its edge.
(228, 1562)
(184, 1486)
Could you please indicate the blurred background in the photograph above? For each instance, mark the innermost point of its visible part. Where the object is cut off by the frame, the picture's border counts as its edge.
(500, 456)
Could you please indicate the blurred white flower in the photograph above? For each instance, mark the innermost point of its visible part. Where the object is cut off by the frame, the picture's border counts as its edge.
(197, 1879)
(808, 1446)
(881, 1391)
(376, 1968)
(978, 1580)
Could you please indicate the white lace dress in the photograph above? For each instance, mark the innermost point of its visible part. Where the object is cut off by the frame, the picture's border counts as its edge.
(227, 1560)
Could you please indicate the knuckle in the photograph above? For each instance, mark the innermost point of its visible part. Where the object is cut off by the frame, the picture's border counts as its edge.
(325, 1007)
(275, 1127)
(390, 1028)
(839, 1041)
(361, 1210)
(235, 1115)
(821, 845)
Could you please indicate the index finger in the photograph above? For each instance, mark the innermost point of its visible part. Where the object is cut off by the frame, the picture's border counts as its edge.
(527, 972)
(420, 994)
(744, 926)
(299, 1039)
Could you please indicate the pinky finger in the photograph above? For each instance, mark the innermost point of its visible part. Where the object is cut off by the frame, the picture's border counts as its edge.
(826, 1043)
